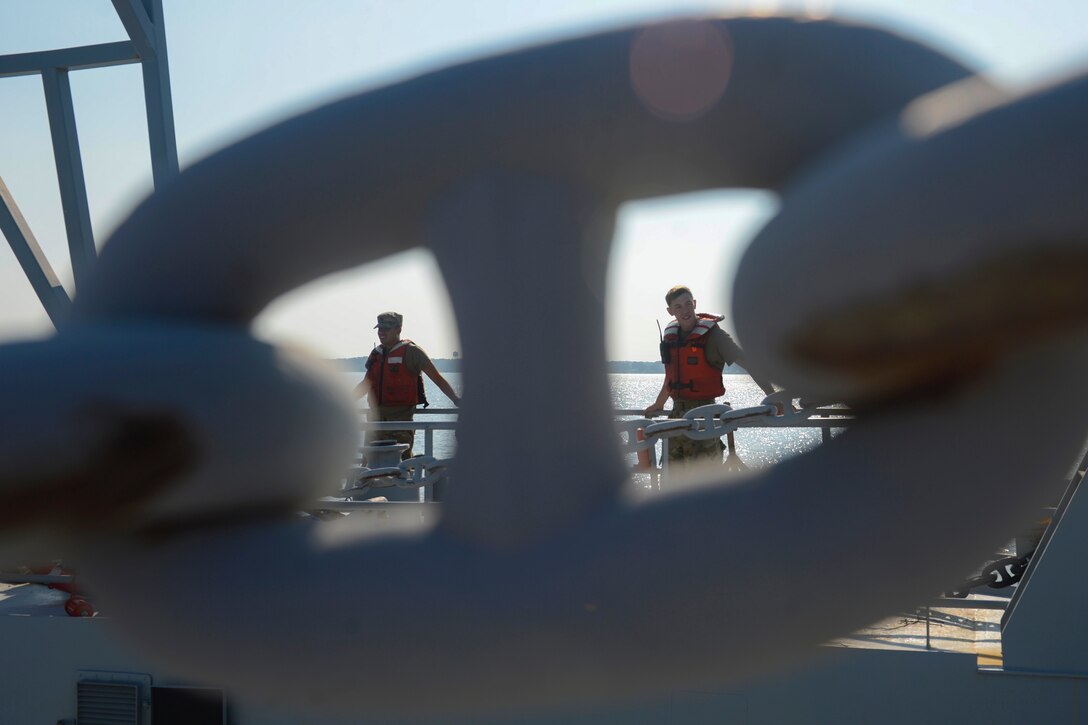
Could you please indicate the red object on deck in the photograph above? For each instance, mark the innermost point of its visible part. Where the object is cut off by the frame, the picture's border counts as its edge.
(76, 605)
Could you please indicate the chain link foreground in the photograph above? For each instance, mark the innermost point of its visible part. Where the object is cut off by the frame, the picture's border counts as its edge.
(414, 472)
(926, 265)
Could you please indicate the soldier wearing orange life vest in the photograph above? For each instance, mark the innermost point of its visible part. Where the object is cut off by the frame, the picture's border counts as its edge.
(687, 373)
(394, 384)
(694, 351)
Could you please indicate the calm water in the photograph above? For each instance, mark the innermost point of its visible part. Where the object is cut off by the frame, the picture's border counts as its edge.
(756, 447)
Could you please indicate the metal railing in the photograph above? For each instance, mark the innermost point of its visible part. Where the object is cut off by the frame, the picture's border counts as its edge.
(427, 426)
(825, 419)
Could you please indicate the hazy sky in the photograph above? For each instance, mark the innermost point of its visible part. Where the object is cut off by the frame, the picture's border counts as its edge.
(238, 66)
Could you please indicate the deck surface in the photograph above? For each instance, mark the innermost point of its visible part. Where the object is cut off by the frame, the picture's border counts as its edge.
(964, 630)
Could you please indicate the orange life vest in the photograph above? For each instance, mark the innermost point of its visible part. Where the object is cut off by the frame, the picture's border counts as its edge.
(689, 375)
(392, 383)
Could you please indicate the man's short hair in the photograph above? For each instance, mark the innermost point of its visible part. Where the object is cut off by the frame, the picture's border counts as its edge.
(676, 292)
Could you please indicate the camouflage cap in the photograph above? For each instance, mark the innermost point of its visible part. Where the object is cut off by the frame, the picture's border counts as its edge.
(389, 320)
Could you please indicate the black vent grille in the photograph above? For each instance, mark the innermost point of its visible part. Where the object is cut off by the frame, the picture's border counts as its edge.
(101, 703)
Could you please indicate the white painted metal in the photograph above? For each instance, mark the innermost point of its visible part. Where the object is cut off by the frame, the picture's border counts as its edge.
(546, 589)
(73, 187)
(134, 15)
(158, 102)
(943, 211)
(35, 266)
(132, 375)
(102, 55)
(143, 20)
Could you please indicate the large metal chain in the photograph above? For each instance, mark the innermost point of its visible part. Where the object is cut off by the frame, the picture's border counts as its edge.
(414, 472)
(707, 422)
(509, 170)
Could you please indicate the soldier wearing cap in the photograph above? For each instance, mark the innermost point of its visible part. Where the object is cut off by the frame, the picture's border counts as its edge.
(394, 384)
(694, 351)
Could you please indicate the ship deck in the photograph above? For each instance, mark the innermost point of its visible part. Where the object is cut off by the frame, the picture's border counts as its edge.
(958, 628)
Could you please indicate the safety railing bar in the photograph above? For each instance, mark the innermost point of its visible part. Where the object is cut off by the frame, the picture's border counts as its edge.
(818, 413)
(423, 411)
(424, 425)
(330, 504)
(799, 423)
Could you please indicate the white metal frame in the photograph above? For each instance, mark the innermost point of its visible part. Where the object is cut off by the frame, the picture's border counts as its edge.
(143, 21)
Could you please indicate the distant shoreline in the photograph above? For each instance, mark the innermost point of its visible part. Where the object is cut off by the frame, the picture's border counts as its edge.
(453, 365)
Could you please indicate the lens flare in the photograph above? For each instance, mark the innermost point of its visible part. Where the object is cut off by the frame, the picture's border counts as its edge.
(680, 70)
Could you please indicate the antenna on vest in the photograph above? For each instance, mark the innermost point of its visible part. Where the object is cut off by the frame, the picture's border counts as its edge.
(664, 347)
